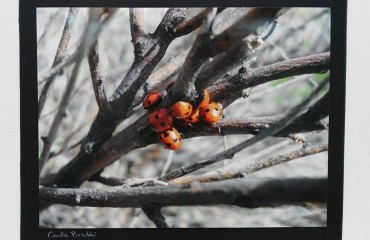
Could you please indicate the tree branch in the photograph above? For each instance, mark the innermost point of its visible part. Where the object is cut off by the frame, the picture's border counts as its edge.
(97, 78)
(204, 47)
(136, 25)
(48, 141)
(183, 87)
(59, 56)
(91, 32)
(237, 170)
(316, 63)
(290, 117)
(252, 193)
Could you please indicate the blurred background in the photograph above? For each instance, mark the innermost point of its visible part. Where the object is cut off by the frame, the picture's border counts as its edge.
(299, 32)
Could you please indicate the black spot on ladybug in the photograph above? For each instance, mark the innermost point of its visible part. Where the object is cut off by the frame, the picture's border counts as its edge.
(156, 116)
(207, 110)
(174, 139)
(171, 129)
(166, 134)
(148, 101)
(187, 113)
(163, 124)
(216, 109)
(188, 106)
(190, 118)
(168, 144)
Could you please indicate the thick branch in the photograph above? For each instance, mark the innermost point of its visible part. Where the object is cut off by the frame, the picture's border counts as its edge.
(316, 63)
(59, 56)
(252, 193)
(237, 170)
(160, 78)
(97, 78)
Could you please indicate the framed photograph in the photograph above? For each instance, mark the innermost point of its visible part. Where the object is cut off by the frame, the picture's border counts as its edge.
(224, 116)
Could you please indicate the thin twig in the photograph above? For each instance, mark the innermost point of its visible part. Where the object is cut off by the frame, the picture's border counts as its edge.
(136, 24)
(237, 170)
(168, 163)
(290, 117)
(59, 56)
(49, 139)
(192, 24)
(53, 154)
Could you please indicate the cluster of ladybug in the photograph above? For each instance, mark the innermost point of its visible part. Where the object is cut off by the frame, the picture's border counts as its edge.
(181, 113)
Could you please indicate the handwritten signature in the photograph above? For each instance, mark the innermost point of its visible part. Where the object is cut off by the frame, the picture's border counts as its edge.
(71, 234)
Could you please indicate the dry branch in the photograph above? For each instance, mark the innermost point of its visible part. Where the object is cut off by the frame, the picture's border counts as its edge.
(136, 24)
(59, 56)
(249, 193)
(236, 170)
(97, 78)
(138, 134)
(49, 139)
(317, 63)
(206, 45)
(270, 131)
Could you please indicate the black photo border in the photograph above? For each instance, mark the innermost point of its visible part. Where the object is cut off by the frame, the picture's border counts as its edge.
(29, 228)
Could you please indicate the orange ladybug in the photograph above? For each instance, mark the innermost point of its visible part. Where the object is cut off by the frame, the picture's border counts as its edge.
(170, 139)
(194, 116)
(181, 109)
(211, 113)
(205, 99)
(161, 119)
(151, 99)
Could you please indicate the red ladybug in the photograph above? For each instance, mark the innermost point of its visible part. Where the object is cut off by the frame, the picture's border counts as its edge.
(151, 99)
(181, 109)
(205, 99)
(170, 139)
(194, 116)
(161, 119)
(211, 113)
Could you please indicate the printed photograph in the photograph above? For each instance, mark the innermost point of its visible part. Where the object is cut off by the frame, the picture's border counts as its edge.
(183, 117)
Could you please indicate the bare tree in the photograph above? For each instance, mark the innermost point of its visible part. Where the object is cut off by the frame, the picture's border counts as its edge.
(221, 59)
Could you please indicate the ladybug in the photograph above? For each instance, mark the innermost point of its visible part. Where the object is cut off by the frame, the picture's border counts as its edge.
(194, 116)
(170, 139)
(151, 99)
(204, 99)
(181, 109)
(161, 119)
(211, 113)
